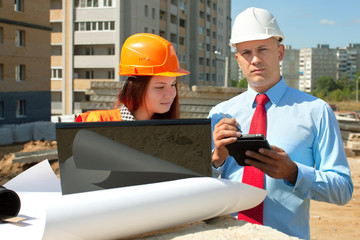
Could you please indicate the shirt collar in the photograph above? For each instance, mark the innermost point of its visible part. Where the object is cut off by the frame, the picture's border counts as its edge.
(126, 114)
(274, 94)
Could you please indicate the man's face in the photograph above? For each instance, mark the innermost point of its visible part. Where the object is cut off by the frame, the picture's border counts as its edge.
(259, 62)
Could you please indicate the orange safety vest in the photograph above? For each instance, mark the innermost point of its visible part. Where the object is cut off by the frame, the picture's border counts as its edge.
(99, 116)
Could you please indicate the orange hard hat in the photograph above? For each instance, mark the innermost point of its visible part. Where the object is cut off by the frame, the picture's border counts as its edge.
(146, 54)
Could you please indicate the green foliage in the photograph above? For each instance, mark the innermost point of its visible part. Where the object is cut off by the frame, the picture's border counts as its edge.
(239, 84)
(243, 83)
(341, 90)
(233, 83)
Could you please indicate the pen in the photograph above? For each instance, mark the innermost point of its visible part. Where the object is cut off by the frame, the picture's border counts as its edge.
(228, 118)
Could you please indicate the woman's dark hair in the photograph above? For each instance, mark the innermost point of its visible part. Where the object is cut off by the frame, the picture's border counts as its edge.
(134, 95)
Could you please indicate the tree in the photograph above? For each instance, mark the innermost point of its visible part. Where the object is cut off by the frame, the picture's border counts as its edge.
(233, 83)
(242, 83)
(325, 85)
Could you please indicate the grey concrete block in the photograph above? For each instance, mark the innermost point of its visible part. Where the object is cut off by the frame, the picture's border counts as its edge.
(44, 131)
(6, 136)
(24, 132)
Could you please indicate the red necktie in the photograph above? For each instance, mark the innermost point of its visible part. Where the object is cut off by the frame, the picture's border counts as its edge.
(252, 175)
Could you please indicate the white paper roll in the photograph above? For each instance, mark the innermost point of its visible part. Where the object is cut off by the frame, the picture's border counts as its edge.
(128, 211)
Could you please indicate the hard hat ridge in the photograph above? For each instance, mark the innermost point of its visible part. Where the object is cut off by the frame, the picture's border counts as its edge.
(254, 24)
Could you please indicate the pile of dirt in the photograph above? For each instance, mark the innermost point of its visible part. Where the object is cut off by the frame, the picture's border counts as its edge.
(9, 170)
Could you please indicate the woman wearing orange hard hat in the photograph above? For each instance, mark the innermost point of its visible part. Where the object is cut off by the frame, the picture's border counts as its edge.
(150, 91)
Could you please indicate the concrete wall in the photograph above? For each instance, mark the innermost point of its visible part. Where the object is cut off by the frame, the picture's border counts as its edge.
(37, 107)
(25, 132)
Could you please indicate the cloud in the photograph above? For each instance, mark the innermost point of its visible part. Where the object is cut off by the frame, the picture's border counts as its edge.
(327, 22)
(357, 20)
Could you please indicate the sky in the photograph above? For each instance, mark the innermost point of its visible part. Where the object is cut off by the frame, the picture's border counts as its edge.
(306, 23)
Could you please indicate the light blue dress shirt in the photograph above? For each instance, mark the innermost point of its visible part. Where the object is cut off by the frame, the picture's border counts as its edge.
(305, 127)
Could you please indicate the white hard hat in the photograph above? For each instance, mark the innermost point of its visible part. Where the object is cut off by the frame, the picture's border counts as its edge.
(254, 24)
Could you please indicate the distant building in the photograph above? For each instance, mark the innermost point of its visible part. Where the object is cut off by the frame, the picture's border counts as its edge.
(289, 67)
(234, 66)
(24, 61)
(348, 61)
(315, 63)
(88, 34)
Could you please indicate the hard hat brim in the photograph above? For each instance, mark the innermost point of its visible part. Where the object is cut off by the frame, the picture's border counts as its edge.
(255, 38)
(178, 73)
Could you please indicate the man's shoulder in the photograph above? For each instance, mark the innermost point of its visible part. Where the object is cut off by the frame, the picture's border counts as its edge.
(303, 98)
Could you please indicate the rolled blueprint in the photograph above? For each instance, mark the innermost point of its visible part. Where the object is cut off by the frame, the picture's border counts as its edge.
(127, 211)
(9, 203)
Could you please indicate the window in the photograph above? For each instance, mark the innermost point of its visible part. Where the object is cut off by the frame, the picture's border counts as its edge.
(89, 51)
(182, 6)
(111, 51)
(19, 5)
(20, 73)
(173, 19)
(201, 30)
(107, 3)
(146, 10)
(106, 26)
(86, 3)
(173, 38)
(202, 15)
(20, 108)
(2, 110)
(20, 38)
(153, 13)
(89, 74)
(100, 26)
(201, 61)
(1, 71)
(111, 74)
(1, 34)
(94, 26)
(162, 15)
(182, 22)
(56, 73)
(181, 40)
(87, 26)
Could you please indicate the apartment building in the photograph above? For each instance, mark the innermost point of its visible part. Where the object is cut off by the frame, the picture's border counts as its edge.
(289, 67)
(348, 61)
(24, 61)
(315, 63)
(88, 34)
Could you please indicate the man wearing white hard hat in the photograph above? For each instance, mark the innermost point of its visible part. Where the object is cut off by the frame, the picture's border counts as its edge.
(306, 159)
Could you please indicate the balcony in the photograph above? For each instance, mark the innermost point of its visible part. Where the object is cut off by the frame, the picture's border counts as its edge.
(182, 31)
(89, 38)
(95, 61)
(56, 85)
(163, 5)
(56, 15)
(163, 25)
(56, 61)
(56, 38)
(82, 85)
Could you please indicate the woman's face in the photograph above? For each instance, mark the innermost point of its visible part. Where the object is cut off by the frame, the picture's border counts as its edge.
(159, 96)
